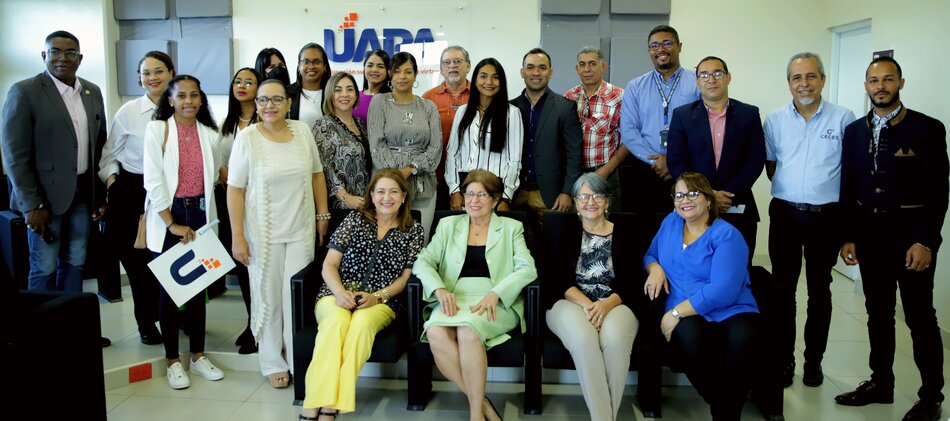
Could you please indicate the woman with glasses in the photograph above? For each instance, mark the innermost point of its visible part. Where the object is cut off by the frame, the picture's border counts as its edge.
(306, 94)
(700, 261)
(405, 133)
(472, 273)
(375, 80)
(270, 64)
(278, 200)
(121, 168)
(180, 166)
(486, 133)
(365, 271)
(343, 143)
(591, 289)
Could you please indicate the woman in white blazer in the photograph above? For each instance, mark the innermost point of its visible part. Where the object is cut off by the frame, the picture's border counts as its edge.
(181, 162)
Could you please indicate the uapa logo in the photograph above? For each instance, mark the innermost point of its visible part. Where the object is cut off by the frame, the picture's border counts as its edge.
(354, 49)
(830, 135)
(201, 269)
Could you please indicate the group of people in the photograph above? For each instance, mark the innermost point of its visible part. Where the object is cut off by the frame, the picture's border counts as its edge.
(286, 153)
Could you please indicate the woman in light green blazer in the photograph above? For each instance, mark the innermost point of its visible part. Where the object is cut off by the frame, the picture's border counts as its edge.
(472, 274)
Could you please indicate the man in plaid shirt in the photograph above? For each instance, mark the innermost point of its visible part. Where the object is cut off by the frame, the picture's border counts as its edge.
(598, 108)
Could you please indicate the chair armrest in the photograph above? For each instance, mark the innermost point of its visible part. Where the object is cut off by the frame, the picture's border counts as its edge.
(304, 286)
(415, 307)
(532, 316)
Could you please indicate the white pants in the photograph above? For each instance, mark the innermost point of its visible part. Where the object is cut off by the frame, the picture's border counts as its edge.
(277, 336)
(602, 359)
(427, 208)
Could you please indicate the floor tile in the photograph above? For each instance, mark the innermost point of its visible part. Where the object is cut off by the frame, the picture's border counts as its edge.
(147, 408)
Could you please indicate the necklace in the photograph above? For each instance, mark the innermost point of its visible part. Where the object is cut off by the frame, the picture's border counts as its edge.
(246, 120)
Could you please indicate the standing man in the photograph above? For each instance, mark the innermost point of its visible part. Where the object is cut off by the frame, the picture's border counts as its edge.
(448, 97)
(598, 108)
(551, 157)
(894, 188)
(803, 160)
(648, 104)
(721, 138)
(53, 132)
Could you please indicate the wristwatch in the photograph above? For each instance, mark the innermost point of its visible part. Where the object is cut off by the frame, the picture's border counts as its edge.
(676, 313)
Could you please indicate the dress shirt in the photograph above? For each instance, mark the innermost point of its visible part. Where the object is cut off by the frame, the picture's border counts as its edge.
(72, 96)
(531, 117)
(641, 118)
(465, 155)
(126, 138)
(717, 129)
(807, 154)
(600, 121)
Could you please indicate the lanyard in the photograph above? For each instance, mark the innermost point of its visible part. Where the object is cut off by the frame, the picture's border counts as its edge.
(666, 99)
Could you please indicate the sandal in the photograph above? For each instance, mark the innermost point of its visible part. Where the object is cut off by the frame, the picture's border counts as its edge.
(279, 380)
(328, 414)
(302, 417)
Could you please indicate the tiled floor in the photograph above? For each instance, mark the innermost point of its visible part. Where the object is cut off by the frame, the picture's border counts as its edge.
(244, 395)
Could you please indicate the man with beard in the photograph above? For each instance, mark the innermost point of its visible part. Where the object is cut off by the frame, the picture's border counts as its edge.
(803, 160)
(448, 97)
(894, 188)
(648, 104)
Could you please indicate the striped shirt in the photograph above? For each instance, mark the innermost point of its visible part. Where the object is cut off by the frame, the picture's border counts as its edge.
(464, 155)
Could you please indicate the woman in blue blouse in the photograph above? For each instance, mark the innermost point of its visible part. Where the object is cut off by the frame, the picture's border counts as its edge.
(701, 262)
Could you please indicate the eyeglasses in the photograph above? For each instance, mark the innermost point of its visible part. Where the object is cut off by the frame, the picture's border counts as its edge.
(245, 83)
(584, 198)
(482, 196)
(455, 61)
(158, 71)
(69, 54)
(315, 62)
(277, 100)
(718, 74)
(665, 44)
(692, 195)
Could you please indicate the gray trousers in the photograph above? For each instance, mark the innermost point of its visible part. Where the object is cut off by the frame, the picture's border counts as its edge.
(593, 352)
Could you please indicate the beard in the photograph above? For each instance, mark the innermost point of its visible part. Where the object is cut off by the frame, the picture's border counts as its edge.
(807, 101)
(885, 103)
(668, 65)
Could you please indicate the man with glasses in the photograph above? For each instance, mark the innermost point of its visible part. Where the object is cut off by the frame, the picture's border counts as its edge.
(598, 108)
(53, 130)
(894, 188)
(648, 104)
(448, 97)
(803, 160)
(730, 153)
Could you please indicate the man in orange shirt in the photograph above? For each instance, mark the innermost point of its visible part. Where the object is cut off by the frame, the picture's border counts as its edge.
(448, 97)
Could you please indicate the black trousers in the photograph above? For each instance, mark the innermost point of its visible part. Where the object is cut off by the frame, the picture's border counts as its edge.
(648, 194)
(126, 201)
(882, 257)
(718, 360)
(792, 234)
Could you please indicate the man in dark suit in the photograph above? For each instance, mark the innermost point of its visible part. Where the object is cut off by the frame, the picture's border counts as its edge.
(551, 157)
(721, 138)
(53, 130)
(894, 188)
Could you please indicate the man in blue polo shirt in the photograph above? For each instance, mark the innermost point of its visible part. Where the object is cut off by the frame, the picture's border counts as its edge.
(803, 160)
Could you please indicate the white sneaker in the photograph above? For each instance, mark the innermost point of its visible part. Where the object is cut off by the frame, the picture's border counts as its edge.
(177, 379)
(204, 368)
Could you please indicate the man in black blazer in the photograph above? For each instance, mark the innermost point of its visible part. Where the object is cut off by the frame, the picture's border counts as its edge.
(551, 157)
(721, 138)
(53, 130)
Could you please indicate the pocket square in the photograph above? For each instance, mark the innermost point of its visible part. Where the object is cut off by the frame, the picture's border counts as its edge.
(910, 152)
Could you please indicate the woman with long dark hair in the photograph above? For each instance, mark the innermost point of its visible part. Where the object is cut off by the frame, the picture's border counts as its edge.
(270, 64)
(486, 134)
(375, 80)
(306, 94)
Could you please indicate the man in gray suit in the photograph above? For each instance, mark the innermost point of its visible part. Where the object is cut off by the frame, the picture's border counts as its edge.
(53, 130)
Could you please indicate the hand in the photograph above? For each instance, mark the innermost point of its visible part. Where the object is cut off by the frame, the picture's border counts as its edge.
(918, 258)
(456, 201)
(223, 175)
(563, 203)
(240, 250)
(659, 166)
(352, 202)
(502, 206)
(487, 304)
(345, 299)
(596, 312)
(365, 299)
(447, 301)
(100, 212)
(667, 324)
(322, 227)
(406, 171)
(725, 199)
(656, 281)
(37, 220)
(849, 254)
(109, 181)
(185, 232)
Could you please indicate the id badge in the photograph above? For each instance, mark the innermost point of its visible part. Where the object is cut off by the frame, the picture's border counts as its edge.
(663, 135)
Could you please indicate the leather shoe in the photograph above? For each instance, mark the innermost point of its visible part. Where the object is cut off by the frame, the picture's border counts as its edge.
(866, 393)
(788, 374)
(150, 336)
(923, 411)
(106, 342)
(813, 376)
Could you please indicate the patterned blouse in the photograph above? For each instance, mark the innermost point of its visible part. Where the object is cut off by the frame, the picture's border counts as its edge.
(369, 264)
(346, 158)
(595, 266)
(403, 134)
(191, 180)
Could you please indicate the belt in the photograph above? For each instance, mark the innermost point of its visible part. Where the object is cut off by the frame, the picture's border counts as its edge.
(194, 201)
(807, 207)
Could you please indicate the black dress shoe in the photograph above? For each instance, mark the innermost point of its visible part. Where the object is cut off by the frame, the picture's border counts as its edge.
(866, 393)
(246, 338)
(150, 336)
(106, 342)
(923, 411)
(813, 376)
(788, 374)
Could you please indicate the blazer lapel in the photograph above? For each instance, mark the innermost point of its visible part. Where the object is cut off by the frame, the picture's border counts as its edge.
(730, 137)
(540, 136)
(49, 88)
(494, 232)
(92, 122)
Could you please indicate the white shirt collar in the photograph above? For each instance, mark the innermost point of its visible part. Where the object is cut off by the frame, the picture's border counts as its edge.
(62, 87)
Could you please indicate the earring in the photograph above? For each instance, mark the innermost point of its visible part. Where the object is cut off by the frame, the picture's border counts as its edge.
(416, 84)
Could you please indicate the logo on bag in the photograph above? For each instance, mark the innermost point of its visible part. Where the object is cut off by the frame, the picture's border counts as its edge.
(354, 49)
(204, 265)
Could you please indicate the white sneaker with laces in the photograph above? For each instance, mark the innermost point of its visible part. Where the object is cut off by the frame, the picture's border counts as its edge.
(204, 368)
(177, 379)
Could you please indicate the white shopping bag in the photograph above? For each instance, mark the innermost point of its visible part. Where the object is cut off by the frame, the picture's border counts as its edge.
(187, 269)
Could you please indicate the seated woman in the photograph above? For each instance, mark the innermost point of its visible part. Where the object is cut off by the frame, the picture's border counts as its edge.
(367, 265)
(593, 278)
(701, 262)
(473, 272)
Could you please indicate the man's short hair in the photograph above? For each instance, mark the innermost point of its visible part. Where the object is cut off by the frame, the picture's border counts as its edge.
(62, 34)
(456, 48)
(665, 28)
(886, 59)
(590, 49)
(725, 68)
(536, 51)
(805, 55)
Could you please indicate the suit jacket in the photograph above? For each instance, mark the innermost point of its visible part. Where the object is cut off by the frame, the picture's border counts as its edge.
(40, 144)
(558, 145)
(743, 150)
(509, 261)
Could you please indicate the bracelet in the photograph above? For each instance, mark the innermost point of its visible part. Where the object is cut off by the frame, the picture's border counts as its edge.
(379, 299)
(386, 295)
(323, 216)
(925, 247)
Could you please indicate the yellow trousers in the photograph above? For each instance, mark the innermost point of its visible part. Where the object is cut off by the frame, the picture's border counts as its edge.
(344, 342)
